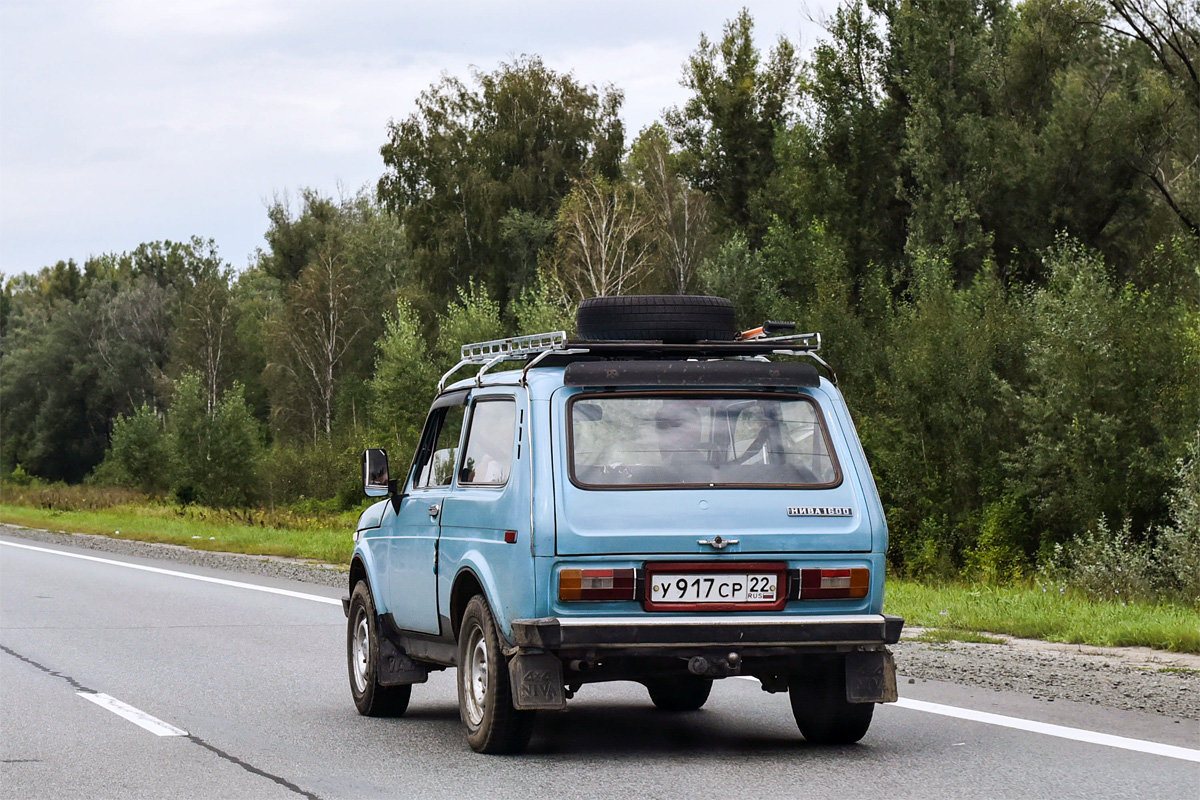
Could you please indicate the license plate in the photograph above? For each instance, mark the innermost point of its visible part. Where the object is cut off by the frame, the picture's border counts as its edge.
(709, 587)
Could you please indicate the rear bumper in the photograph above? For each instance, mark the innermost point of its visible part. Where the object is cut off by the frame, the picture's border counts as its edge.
(668, 635)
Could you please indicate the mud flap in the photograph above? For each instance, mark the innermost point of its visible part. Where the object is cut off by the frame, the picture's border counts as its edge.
(871, 676)
(396, 668)
(537, 682)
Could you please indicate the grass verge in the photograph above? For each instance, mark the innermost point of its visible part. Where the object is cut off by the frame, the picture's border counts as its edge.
(1034, 613)
(943, 635)
(322, 537)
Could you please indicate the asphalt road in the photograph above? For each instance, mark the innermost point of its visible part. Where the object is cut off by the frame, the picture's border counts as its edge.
(257, 682)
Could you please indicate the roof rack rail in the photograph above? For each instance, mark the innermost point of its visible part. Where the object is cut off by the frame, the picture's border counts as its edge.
(516, 346)
(536, 347)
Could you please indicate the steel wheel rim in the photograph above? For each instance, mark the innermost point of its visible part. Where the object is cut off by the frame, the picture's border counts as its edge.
(476, 676)
(361, 651)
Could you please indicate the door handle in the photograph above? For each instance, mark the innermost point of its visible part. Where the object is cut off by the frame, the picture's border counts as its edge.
(434, 510)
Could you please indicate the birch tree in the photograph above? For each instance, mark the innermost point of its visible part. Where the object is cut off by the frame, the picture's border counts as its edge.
(603, 239)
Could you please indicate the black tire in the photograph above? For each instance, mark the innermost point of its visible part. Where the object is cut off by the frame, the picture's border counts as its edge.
(819, 704)
(684, 693)
(670, 318)
(484, 694)
(362, 660)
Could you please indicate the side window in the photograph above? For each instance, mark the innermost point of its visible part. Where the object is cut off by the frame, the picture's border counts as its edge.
(439, 469)
(489, 448)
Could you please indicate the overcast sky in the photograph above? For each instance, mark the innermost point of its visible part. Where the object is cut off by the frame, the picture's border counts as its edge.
(124, 121)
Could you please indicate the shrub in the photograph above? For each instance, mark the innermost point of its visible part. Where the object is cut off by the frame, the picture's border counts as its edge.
(1177, 551)
(1108, 565)
(140, 453)
(296, 475)
(20, 477)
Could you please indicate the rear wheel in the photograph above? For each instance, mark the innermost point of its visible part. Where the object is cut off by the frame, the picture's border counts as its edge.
(362, 660)
(824, 716)
(485, 702)
(684, 693)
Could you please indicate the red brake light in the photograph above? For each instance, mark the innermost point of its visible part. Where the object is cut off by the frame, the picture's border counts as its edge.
(596, 584)
(825, 584)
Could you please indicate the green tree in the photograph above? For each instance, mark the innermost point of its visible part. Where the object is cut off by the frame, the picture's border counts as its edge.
(403, 384)
(726, 130)
(1113, 400)
(473, 317)
(215, 452)
(680, 216)
(470, 156)
(322, 321)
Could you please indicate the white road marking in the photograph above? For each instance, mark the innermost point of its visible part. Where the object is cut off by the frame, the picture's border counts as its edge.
(190, 576)
(1061, 731)
(134, 715)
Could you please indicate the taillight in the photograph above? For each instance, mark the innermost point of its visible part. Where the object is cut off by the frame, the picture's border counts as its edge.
(825, 584)
(596, 584)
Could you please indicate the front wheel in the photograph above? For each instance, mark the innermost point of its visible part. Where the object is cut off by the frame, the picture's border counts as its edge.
(485, 702)
(362, 660)
(824, 716)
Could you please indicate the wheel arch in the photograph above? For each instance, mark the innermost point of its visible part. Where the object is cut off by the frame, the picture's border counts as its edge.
(362, 568)
(466, 585)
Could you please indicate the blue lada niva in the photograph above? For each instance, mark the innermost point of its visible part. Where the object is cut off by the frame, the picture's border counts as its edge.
(663, 501)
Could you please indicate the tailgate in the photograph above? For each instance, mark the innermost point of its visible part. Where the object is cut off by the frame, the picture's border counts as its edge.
(674, 521)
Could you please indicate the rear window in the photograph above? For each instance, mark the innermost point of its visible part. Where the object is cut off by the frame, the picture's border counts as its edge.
(623, 441)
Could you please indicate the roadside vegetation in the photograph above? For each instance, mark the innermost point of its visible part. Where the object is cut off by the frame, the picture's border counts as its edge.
(307, 531)
(1056, 613)
(991, 211)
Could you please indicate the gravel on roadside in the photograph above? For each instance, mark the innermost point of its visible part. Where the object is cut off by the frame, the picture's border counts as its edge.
(1127, 678)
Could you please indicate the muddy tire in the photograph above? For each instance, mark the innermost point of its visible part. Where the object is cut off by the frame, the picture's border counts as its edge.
(485, 702)
(824, 716)
(362, 660)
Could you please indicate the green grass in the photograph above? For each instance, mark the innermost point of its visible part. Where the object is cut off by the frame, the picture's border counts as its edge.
(323, 537)
(943, 635)
(1051, 615)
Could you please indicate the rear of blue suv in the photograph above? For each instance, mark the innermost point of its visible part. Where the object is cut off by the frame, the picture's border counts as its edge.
(669, 513)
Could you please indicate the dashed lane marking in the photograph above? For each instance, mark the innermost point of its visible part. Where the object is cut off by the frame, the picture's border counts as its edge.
(188, 575)
(134, 715)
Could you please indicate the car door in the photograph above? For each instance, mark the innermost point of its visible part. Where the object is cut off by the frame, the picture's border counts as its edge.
(412, 559)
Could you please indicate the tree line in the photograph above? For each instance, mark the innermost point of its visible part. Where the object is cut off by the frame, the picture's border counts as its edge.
(990, 210)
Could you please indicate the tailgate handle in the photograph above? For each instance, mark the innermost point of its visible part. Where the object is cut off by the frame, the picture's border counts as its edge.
(717, 542)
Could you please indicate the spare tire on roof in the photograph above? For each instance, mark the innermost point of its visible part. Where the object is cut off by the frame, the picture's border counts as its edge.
(670, 318)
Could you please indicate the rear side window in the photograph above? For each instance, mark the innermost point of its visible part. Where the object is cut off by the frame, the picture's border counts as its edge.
(487, 459)
(700, 440)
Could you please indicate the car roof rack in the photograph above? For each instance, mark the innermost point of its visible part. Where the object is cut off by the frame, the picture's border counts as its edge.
(536, 348)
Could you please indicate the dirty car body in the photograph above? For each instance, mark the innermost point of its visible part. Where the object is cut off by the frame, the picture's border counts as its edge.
(666, 514)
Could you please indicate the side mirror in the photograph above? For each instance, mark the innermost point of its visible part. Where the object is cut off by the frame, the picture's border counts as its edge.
(375, 473)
